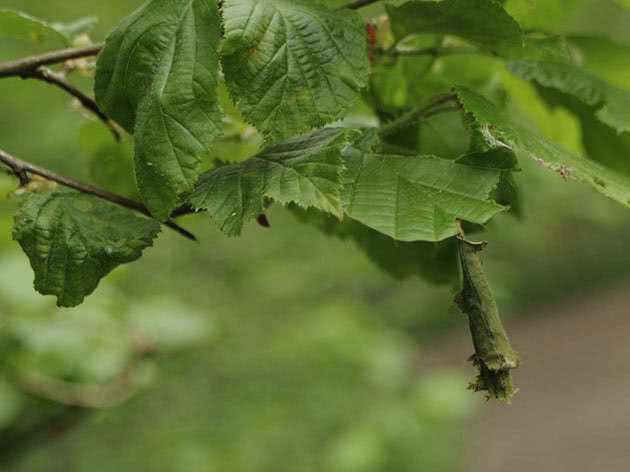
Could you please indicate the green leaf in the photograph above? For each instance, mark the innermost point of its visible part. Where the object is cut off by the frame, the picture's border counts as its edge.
(494, 356)
(433, 262)
(417, 198)
(305, 170)
(498, 129)
(483, 22)
(292, 66)
(157, 77)
(601, 142)
(612, 103)
(73, 240)
(19, 25)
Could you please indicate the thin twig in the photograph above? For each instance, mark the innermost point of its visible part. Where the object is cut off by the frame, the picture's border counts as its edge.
(421, 112)
(434, 51)
(113, 393)
(359, 4)
(25, 65)
(20, 168)
(46, 75)
(33, 67)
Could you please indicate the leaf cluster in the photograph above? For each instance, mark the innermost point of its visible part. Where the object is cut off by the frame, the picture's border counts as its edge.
(398, 138)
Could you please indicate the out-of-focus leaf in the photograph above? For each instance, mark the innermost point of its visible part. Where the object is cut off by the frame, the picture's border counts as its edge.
(305, 170)
(73, 240)
(483, 22)
(601, 18)
(292, 66)
(433, 262)
(601, 142)
(17, 24)
(157, 76)
(612, 103)
(76, 28)
(154, 322)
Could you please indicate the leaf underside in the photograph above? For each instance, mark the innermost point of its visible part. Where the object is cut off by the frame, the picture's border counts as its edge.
(73, 240)
(433, 262)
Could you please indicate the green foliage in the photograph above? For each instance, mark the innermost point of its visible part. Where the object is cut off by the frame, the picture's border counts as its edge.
(442, 131)
(417, 198)
(292, 65)
(157, 77)
(433, 262)
(483, 22)
(73, 240)
(612, 104)
(498, 130)
(305, 170)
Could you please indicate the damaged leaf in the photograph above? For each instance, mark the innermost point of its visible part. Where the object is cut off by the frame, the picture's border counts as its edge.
(494, 356)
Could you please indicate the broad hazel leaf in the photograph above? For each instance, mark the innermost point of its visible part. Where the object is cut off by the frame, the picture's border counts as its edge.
(157, 76)
(292, 65)
(73, 240)
(417, 198)
(494, 356)
(612, 103)
(305, 170)
(483, 22)
(500, 130)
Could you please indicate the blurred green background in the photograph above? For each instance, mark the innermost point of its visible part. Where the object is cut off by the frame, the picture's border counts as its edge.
(284, 350)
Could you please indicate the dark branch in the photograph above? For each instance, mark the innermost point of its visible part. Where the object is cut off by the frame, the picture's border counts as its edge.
(27, 65)
(46, 75)
(20, 169)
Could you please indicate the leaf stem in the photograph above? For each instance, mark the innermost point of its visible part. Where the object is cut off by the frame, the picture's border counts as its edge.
(21, 169)
(421, 112)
